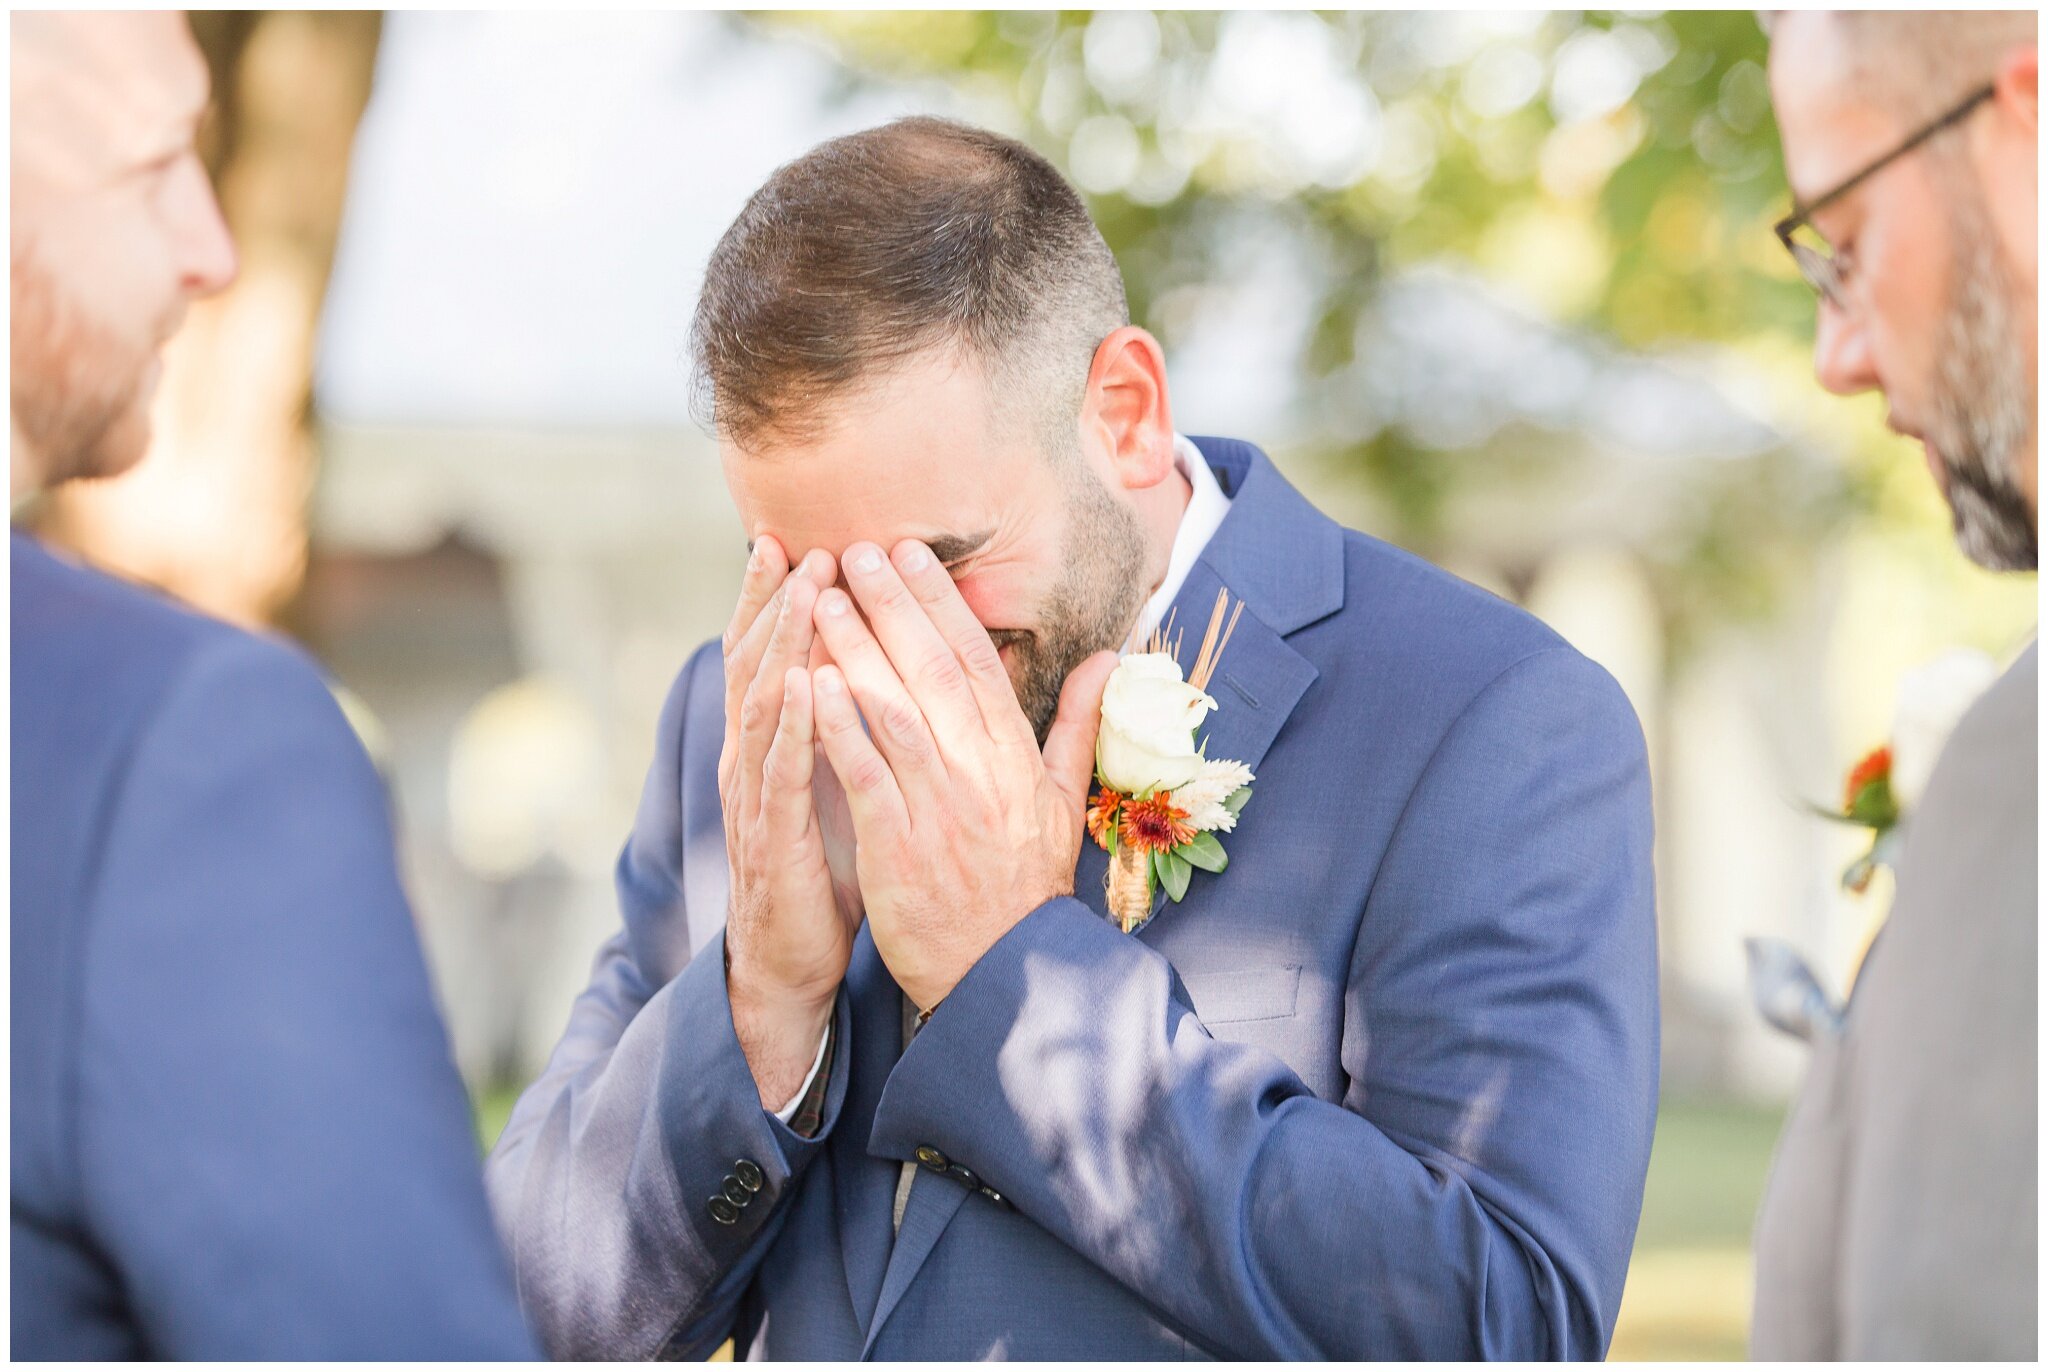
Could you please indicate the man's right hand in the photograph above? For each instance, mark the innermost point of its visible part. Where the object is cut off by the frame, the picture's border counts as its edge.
(787, 938)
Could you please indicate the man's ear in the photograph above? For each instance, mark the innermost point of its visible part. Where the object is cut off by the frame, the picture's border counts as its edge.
(2018, 86)
(1126, 422)
(2011, 171)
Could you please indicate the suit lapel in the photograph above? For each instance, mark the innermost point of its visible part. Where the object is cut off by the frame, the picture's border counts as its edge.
(1258, 681)
(1285, 560)
(864, 1187)
(933, 1202)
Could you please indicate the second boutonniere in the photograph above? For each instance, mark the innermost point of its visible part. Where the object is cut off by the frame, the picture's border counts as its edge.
(1160, 803)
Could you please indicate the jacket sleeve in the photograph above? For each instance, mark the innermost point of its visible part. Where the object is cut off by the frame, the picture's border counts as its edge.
(1475, 1194)
(605, 1175)
(276, 1152)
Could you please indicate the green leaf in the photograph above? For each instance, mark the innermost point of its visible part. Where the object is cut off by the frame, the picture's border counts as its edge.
(1873, 805)
(1175, 875)
(1205, 852)
(1234, 802)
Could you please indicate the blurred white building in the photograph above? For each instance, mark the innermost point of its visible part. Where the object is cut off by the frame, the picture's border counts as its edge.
(519, 535)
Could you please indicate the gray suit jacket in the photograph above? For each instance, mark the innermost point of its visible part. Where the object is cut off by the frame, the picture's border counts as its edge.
(1899, 1220)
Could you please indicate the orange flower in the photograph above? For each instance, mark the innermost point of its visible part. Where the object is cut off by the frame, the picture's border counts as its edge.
(1156, 825)
(1102, 815)
(1876, 767)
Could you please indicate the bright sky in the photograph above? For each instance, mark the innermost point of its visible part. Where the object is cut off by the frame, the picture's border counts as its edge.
(533, 198)
(531, 203)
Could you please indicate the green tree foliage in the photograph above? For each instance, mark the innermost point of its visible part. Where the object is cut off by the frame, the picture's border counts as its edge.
(1618, 174)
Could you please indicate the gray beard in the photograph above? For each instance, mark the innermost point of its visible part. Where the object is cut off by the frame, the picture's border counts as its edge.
(1983, 402)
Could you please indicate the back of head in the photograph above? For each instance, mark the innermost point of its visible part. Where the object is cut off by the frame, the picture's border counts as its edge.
(874, 248)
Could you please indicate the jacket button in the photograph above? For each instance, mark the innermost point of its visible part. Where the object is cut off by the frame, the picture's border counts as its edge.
(734, 1192)
(932, 1158)
(997, 1198)
(724, 1211)
(748, 1173)
(963, 1176)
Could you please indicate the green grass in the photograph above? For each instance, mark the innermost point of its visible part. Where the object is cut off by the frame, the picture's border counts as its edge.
(1688, 1293)
(1689, 1286)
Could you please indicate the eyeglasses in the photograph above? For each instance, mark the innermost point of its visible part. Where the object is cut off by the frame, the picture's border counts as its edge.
(1824, 269)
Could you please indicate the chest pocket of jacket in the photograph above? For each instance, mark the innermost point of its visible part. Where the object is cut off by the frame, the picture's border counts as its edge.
(1243, 996)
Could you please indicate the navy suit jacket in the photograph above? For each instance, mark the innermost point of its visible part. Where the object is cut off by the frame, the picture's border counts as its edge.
(237, 1129)
(1382, 1089)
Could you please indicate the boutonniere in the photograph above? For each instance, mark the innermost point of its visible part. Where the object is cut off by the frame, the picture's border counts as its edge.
(1160, 803)
(1868, 803)
(1885, 786)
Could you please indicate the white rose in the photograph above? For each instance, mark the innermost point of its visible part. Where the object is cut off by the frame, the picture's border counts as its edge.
(1932, 700)
(1149, 718)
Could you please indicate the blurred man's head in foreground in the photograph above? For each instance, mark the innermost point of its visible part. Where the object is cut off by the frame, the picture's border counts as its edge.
(115, 231)
(1934, 297)
(917, 332)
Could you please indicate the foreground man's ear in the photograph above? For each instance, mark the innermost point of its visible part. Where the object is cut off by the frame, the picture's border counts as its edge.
(1126, 422)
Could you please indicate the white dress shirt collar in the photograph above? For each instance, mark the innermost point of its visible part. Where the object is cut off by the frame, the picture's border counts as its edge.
(1198, 524)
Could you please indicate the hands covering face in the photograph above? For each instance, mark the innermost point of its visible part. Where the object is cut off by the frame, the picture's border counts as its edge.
(964, 825)
(946, 827)
(789, 922)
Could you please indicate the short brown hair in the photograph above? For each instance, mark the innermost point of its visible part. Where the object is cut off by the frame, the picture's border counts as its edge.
(880, 245)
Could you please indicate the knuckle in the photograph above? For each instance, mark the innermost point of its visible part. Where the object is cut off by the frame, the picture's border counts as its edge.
(753, 712)
(980, 655)
(868, 774)
(781, 771)
(892, 595)
(904, 723)
(942, 669)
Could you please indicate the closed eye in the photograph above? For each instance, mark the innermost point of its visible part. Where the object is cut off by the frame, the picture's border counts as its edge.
(956, 550)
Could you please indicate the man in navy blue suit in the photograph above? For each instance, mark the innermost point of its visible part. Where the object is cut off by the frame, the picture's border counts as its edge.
(237, 1130)
(867, 1073)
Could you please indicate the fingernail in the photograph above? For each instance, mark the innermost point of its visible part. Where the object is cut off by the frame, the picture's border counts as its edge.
(916, 559)
(867, 560)
(829, 683)
(835, 604)
(757, 558)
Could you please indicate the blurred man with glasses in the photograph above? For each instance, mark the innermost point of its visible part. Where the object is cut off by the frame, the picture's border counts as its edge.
(1900, 1216)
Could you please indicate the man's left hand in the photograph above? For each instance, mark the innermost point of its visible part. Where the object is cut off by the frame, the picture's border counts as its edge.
(964, 825)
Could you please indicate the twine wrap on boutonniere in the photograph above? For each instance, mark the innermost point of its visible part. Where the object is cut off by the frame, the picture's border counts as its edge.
(1160, 803)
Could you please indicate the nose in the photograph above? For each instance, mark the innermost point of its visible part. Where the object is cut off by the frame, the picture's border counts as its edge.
(1841, 352)
(207, 261)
